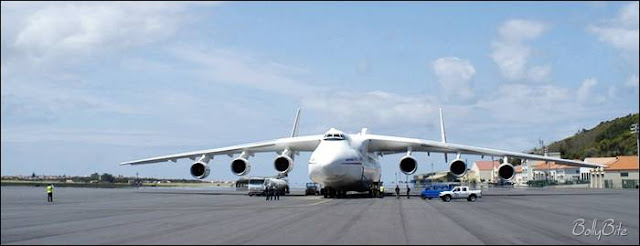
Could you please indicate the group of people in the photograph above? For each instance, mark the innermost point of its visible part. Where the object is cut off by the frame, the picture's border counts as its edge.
(272, 193)
(398, 191)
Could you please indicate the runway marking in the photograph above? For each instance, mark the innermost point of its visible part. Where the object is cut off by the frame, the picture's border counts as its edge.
(303, 205)
(320, 202)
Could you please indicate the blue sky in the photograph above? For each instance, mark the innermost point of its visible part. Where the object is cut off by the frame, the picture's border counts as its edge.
(86, 86)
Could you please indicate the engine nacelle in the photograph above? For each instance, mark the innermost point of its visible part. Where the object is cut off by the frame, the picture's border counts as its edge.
(240, 166)
(408, 165)
(199, 170)
(506, 171)
(458, 167)
(283, 164)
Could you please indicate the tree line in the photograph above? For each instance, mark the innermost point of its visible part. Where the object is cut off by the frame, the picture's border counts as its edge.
(608, 139)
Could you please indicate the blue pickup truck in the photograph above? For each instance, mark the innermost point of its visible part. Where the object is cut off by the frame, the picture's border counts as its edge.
(433, 191)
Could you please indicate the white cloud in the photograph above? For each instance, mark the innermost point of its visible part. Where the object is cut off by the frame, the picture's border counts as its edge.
(46, 48)
(233, 67)
(620, 32)
(612, 91)
(96, 136)
(585, 95)
(339, 108)
(525, 103)
(60, 32)
(511, 59)
(454, 75)
(517, 30)
(511, 54)
(633, 82)
(539, 73)
(375, 109)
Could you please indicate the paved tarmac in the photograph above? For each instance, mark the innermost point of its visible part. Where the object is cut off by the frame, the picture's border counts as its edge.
(181, 216)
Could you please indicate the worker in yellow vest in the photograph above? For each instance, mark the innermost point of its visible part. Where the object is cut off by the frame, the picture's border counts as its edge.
(50, 193)
(381, 191)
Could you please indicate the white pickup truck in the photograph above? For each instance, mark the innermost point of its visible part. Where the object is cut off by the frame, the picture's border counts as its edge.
(461, 192)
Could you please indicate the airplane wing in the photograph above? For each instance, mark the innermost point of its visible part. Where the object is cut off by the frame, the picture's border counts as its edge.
(303, 143)
(390, 145)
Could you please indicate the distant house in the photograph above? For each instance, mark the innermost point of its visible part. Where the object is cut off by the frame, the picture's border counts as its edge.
(434, 177)
(590, 172)
(551, 171)
(488, 170)
(521, 176)
(620, 173)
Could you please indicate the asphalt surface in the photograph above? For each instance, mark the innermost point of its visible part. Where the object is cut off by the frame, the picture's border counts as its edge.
(175, 216)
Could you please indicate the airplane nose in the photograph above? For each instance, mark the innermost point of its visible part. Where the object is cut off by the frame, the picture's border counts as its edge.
(328, 169)
(333, 167)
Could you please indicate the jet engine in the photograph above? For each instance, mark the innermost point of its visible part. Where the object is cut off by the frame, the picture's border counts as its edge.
(240, 166)
(283, 164)
(506, 171)
(408, 165)
(458, 167)
(199, 170)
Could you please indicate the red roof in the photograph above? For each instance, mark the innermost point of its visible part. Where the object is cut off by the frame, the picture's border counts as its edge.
(606, 161)
(541, 165)
(624, 163)
(518, 169)
(487, 165)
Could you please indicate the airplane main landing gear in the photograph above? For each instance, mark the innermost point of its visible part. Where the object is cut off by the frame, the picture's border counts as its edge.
(333, 193)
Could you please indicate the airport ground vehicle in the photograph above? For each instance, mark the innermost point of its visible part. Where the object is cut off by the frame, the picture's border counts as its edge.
(257, 185)
(281, 185)
(312, 189)
(461, 192)
(433, 191)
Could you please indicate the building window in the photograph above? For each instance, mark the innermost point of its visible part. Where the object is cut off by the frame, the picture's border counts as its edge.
(624, 174)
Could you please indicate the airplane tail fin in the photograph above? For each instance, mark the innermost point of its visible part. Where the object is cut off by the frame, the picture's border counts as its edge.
(294, 131)
(444, 136)
(442, 133)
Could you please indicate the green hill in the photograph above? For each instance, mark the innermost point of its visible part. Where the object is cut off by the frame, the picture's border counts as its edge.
(608, 139)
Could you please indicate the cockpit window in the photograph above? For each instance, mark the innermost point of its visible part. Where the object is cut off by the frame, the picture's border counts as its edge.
(331, 136)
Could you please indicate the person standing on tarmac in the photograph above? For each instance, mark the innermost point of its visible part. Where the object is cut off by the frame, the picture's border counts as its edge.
(408, 190)
(381, 191)
(276, 193)
(267, 192)
(50, 193)
(397, 192)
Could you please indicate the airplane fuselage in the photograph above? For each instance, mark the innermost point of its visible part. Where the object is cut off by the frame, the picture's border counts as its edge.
(343, 163)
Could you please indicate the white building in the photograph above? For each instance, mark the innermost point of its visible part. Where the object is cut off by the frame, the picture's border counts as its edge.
(621, 173)
(555, 172)
(488, 170)
(591, 175)
(523, 175)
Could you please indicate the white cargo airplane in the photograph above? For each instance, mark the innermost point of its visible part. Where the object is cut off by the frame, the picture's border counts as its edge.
(348, 162)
